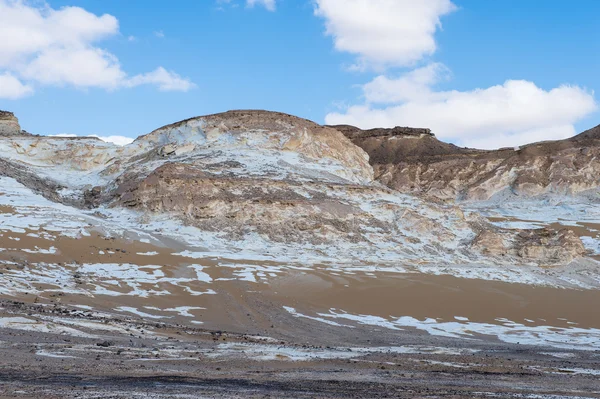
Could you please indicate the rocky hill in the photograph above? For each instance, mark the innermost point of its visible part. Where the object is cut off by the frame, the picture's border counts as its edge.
(388, 146)
(258, 182)
(421, 164)
(253, 252)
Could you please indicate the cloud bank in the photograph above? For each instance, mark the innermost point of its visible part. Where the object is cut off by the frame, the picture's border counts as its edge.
(389, 34)
(40, 45)
(513, 113)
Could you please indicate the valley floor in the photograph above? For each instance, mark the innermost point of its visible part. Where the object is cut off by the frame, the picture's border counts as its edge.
(97, 304)
(56, 351)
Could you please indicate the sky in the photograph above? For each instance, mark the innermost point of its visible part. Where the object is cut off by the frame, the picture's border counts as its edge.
(484, 74)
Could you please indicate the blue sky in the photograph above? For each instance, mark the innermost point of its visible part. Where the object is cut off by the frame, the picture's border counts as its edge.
(323, 60)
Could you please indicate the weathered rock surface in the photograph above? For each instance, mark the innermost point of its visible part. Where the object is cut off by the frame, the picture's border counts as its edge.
(554, 246)
(287, 184)
(421, 164)
(269, 131)
(9, 124)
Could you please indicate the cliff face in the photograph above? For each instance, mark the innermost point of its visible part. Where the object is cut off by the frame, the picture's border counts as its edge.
(9, 124)
(386, 146)
(424, 165)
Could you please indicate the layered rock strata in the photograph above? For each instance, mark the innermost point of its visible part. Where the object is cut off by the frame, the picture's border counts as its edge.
(421, 164)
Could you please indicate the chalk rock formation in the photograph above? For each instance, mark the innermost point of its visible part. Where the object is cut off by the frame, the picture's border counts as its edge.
(9, 124)
(280, 184)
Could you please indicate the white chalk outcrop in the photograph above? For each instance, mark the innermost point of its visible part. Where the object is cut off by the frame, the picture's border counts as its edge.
(257, 183)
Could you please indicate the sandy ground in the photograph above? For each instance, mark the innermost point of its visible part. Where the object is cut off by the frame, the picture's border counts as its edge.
(89, 355)
(97, 316)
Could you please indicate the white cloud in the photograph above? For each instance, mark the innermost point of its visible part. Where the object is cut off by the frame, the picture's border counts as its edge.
(384, 33)
(118, 140)
(410, 86)
(85, 67)
(514, 113)
(26, 31)
(41, 45)
(165, 80)
(159, 33)
(268, 4)
(12, 88)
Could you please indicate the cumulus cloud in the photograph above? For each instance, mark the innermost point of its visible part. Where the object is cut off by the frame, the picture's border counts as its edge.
(165, 80)
(41, 45)
(383, 33)
(118, 140)
(513, 113)
(389, 34)
(12, 88)
(26, 31)
(413, 85)
(268, 4)
(86, 67)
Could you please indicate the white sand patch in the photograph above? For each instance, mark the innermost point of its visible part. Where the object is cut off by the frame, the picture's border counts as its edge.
(137, 312)
(200, 275)
(57, 355)
(22, 323)
(181, 310)
(560, 355)
(294, 313)
(264, 352)
(49, 251)
(507, 331)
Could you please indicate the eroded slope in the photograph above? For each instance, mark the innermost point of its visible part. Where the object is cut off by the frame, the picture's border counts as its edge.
(420, 164)
(270, 183)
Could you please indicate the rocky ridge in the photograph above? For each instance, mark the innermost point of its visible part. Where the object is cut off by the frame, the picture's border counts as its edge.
(426, 166)
(253, 253)
(269, 182)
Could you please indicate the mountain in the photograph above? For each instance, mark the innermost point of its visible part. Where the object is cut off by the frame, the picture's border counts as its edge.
(411, 161)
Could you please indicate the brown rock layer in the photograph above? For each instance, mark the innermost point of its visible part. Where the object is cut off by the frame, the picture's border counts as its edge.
(9, 124)
(274, 178)
(424, 165)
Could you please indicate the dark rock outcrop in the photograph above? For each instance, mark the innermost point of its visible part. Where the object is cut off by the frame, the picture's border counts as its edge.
(424, 165)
